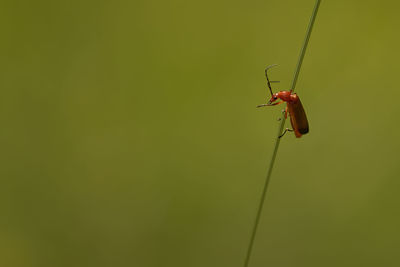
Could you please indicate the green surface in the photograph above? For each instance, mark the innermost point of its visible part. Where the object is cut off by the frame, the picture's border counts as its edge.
(130, 137)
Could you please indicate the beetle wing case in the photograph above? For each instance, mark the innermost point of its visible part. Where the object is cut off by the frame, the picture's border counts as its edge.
(298, 117)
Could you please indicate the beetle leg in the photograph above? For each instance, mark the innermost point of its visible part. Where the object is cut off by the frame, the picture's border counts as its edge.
(277, 103)
(273, 104)
(286, 130)
(286, 112)
(283, 112)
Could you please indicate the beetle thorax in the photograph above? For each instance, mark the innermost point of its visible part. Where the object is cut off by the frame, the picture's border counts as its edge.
(284, 95)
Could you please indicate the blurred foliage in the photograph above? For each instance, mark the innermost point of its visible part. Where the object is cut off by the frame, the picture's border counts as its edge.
(130, 135)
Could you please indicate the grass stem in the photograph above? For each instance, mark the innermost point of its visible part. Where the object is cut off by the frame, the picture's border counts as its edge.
(280, 130)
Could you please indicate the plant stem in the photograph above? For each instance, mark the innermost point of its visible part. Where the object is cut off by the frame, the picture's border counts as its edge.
(305, 43)
(280, 130)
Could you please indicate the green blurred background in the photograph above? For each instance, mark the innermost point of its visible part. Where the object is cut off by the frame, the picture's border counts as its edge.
(130, 137)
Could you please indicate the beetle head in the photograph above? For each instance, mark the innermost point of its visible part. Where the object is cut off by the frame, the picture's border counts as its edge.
(274, 97)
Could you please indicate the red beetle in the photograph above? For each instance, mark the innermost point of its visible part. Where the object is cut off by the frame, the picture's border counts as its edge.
(298, 117)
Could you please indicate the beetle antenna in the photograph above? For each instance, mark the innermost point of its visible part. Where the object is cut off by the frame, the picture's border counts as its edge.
(268, 81)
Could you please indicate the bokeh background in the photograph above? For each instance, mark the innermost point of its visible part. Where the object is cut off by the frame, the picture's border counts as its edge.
(130, 137)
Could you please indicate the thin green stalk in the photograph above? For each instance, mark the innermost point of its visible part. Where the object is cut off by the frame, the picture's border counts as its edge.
(280, 130)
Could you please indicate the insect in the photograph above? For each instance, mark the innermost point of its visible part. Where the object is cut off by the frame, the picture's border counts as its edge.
(297, 115)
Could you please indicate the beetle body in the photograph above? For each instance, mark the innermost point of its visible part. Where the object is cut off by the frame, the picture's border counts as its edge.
(297, 115)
